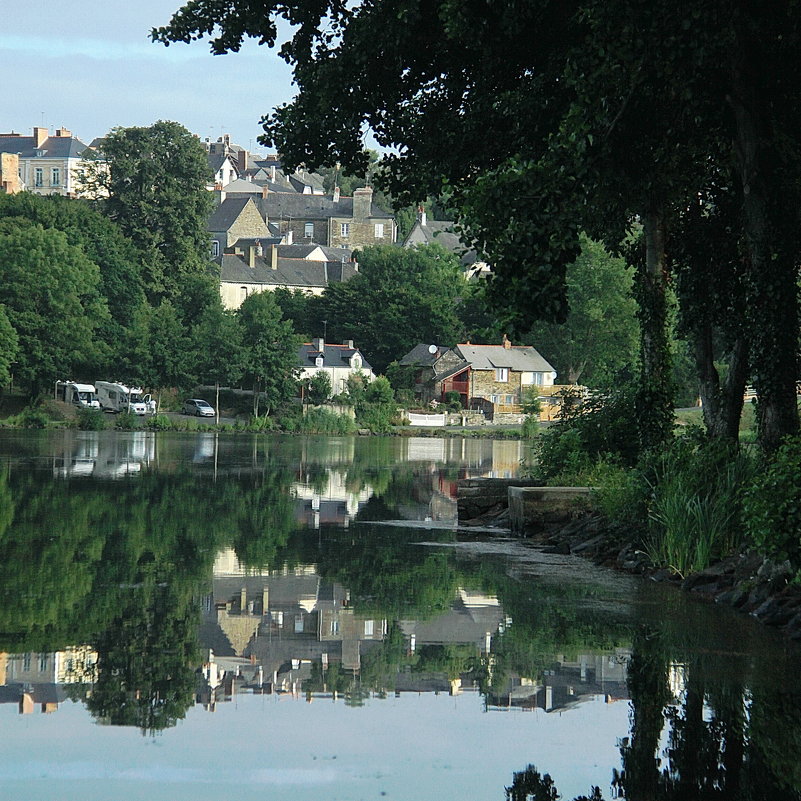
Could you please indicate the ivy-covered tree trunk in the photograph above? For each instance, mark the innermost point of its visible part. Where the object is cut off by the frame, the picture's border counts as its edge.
(722, 404)
(655, 391)
(772, 272)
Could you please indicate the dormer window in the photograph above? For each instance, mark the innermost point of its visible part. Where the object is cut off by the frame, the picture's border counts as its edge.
(356, 361)
(318, 362)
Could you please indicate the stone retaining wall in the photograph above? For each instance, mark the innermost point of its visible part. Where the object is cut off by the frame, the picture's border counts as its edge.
(537, 509)
(479, 497)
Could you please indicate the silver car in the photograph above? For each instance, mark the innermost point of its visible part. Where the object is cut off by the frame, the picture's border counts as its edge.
(198, 407)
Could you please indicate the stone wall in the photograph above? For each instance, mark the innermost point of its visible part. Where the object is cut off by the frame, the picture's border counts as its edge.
(537, 509)
(478, 498)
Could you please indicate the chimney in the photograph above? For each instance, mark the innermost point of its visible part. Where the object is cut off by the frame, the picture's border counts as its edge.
(348, 344)
(39, 135)
(259, 248)
(264, 192)
(242, 160)
(272, 173)
(319, 344)
(506, 343)
(252, 256)
(362, 202)
(336, 194)
(421, 215)
(63, 132)
(273, 257)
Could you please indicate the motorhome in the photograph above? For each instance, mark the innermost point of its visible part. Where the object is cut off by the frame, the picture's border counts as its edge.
(116, 397)
(82, 395)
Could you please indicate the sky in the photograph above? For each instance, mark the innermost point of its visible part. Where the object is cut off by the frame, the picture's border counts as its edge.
(89, 66)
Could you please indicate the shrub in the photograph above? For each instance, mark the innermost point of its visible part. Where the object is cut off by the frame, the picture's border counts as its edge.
(127, 421)
(587, 429)
(531, 427)
(91, 419)
(159, 422)
(31, 417)
(772, 505)
(324, 421)
(453, 400)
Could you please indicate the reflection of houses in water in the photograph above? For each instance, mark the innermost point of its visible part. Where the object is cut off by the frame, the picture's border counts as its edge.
(104, 454)
(329, 499)
(31, 679)
(567, 683)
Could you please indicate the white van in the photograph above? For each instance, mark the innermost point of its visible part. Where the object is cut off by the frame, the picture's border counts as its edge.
(83, 396)
(116, 397)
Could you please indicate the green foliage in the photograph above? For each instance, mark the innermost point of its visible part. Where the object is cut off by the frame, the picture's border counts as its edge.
(126, 421)
(91, 420)
(269, 351)
(218, 346)
(51, 295)
(31, 417)
(9, 343)
(155, 181)
(772, 505)
(318, 388)
(587, 429)
(695, 509)
(400, 297)
(158, 422)
(453, 400)
(325, 421)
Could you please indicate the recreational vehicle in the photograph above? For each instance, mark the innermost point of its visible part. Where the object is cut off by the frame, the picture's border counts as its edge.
(81, 395)
(116, 397)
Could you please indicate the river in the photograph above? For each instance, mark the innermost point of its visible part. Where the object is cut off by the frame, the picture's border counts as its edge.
(202, 616)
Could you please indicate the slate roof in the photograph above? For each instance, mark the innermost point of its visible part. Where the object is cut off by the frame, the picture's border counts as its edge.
(333, 355)
(518, 358)
(440, 232)
(286, 205)
(226, 214)
(216, 160)
(54, 147)
(419, 355)
(242, 187)
(289, 272)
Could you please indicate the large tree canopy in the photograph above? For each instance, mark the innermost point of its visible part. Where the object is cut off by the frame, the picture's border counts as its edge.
(542, 119)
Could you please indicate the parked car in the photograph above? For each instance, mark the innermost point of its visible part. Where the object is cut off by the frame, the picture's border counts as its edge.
(198, 407)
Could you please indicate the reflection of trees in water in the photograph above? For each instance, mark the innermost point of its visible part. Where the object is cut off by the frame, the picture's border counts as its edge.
(724, 740)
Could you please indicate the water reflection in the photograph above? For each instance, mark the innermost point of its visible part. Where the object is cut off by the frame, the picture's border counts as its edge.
(222, 569)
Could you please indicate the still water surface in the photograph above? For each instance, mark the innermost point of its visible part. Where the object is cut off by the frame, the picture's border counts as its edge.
(215, 617)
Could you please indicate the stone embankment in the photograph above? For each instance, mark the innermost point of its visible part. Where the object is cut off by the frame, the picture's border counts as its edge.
(559, 520)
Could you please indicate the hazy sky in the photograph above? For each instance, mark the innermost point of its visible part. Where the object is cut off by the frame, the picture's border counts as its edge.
(89, 66)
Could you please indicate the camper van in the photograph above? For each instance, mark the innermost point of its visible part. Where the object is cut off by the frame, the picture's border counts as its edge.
(80, 395)
(116, 397)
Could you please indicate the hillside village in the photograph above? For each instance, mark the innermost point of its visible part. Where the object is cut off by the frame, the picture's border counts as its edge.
(270, 229)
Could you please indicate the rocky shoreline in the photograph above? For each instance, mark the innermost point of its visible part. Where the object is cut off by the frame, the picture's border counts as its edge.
(748, 582)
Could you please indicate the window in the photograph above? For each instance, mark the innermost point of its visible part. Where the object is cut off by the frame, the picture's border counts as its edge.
(379, 230)
(344, 229)
(368, 628)
(38, 181)
(55, 177)
(215, 248)
(42, 663)
(502, 374)
(243, 292)
(26, 662)
(308, 230)
(318, 361)
(298, 624)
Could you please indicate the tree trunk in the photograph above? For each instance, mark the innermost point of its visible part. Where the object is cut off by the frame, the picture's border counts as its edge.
(722, 406)
(655, 391)
(771, 266)
(217, 401)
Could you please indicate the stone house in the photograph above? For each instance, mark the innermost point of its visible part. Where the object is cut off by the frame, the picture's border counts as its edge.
(47, 165)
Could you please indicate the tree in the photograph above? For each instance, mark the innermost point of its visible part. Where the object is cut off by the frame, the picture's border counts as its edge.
(579, 115)
(599, 336)
(9, 343)
(399, 298)
(318, 388)
(270, 350)
(51, 294)
(154, 180)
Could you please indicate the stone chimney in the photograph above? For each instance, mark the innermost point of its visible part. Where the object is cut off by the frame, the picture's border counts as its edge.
(272, 173)
(242, 160)
(273, 257)
(506, 343)
(348, 343)
(63, 132)
(39, 135)
(336, 194)
(264, 192)
(362, 202)
(319, 344)
(252, 256)
(421, 215)
(259, 248)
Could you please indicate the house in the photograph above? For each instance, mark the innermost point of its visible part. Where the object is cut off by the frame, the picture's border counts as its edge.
(256, 266)
(340, 362)
(234, 219)
(223, 169)
(441, 232)
(10, 181)
(492, 378)
(47, 164)
(332, 220)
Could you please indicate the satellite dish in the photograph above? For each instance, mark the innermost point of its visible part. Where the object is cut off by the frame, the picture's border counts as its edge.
(432, 349)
